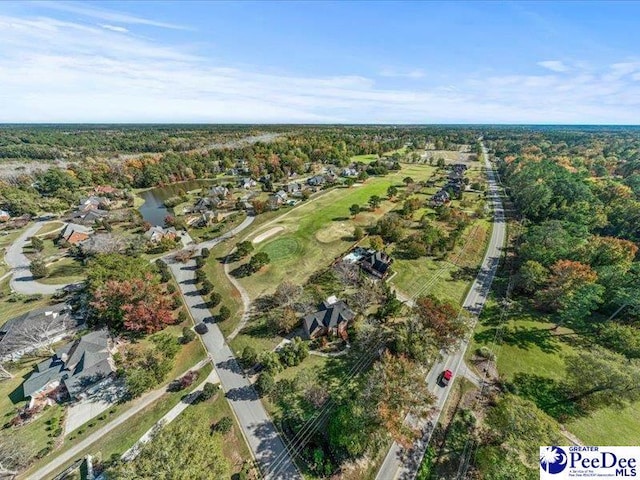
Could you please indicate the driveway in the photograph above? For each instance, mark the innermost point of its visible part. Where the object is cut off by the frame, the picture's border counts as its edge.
(84, 410)
(22, 281)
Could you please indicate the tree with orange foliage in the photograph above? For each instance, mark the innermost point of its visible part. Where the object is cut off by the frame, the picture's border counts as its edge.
(135, 305)
(571, 291)
(441, 317)
(398, 389)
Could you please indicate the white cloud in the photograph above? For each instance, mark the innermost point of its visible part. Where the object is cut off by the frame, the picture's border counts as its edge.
(554, 66)
(55, 71)
(390, 72)
(108, 15)
(113, 28)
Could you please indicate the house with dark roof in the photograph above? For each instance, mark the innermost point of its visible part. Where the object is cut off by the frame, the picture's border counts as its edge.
(331, 319)
(36, 329)
(316, 180)
(376, 263)
(75, 368)
(440, 198)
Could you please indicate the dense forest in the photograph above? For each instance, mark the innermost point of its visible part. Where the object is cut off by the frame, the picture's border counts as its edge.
(98, 156)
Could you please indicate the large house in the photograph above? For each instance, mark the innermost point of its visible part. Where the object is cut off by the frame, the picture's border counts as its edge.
(219, 191)
(440, 198)
(376, 263)
(156, 233)
(332, 318)
(93, 203)
(76, 368)
(35, 330)
(73, 233)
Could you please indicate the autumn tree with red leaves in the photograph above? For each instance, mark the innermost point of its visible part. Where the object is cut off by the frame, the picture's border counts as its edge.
(135, 305)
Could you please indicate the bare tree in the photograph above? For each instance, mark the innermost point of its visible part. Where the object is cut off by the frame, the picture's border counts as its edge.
(368, 294)
(287, 293)
(348, 273)
(14, 455)
(37, 334)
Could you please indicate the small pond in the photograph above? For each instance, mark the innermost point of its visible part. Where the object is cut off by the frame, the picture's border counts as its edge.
(153, 209)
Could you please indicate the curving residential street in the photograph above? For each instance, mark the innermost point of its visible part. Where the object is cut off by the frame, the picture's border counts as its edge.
(259, 431)
(404, 465)
(22, 281)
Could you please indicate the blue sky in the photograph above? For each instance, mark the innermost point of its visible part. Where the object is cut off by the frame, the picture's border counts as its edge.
(319, 62)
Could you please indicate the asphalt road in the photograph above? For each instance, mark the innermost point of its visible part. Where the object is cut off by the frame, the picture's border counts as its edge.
(399, 464)
(22, 281)
(262, 436)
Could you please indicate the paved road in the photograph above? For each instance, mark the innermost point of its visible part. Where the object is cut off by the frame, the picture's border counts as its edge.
(262, 436)
(23, 281)
(404, 465)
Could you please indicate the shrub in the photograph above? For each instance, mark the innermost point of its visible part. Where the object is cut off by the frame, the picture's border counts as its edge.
(265, 383)
(224, 313)
(207, 287)
(182, 316)
(200, 276)
(187, 335)
(249, 356)
(215, 299)
(200, 262)
(208, 391)
(486, 353)
(224, 425)
(205, 252)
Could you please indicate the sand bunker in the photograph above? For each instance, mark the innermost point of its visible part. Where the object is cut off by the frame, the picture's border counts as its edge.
(267, 234)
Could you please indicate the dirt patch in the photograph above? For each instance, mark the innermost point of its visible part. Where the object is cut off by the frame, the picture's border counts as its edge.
(267, 234)
(335, 231)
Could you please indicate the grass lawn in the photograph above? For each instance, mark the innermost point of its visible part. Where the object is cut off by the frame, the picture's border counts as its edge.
(317, 232)
(65, 270)
(50, 249)
(530, 347)
(33, 434)
(366, 158)
(7, 237)
(10, 309)
(49, 227)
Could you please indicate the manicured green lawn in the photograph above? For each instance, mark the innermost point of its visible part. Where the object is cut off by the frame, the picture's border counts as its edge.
(531, 347)
(50, 227)
(317, 232)
(366, 158)
(65, 270)
(609, 426)
(124, 436)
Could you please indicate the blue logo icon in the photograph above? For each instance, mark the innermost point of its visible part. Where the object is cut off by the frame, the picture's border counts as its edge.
(553, 460)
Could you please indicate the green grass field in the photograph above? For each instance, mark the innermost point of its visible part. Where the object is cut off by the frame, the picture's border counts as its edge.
(50, 227)
(317, 232)
(65, 270)
(531, 347)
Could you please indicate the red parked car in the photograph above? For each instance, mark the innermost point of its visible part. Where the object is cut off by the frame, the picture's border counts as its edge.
(446, 377)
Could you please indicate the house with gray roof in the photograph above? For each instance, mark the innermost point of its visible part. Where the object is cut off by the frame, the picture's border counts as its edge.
(74, 368)
(332, 318)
